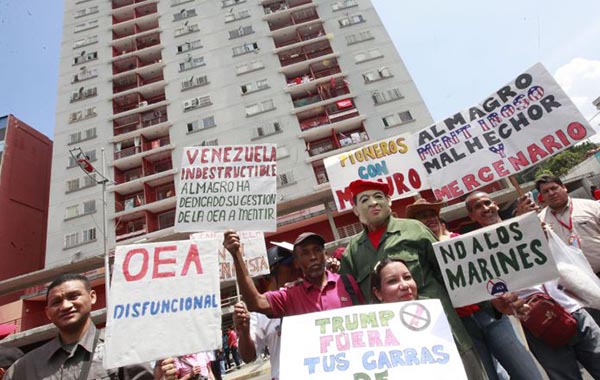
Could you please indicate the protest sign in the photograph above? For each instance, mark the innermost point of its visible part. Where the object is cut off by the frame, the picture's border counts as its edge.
(160, 293)
(385, 341)
(393, 160)
(254, 253)
(506, 256)
(523, 123)
(223, 187)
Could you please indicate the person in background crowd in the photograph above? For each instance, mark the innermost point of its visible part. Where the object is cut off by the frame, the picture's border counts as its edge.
(576, 221)
(217, 366)
(194, 367)
(491, 331)
(408, 240)
(257, 332)
(226, 351)
(77, 351)
(319, 289)
(8, 356)
(232, 342)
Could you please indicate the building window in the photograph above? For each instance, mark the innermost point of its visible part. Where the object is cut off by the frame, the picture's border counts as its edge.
(230, 3)
(212, 142)
(85, 57)
(249, 67)
(194, 81)
(343, 4)
(245, 49)
(83, 93)
(71, 240)
(186, 29)
(197, 102)
(376, 75)
(266, 130)
(85, 41)
(254, 86)
(166, 220)
(86, 26)
(198, 125)
(86, 11)
(71, 212)
(282, 152)
(76, 137)
(191, 63)
(187, 46)
(82, 114)
(365, 35)
(89, 235)
(183, 14)
(367, 56)
(285, 179)
(351, 20)
(385, 96)
(87, 207)
(241, 31)
(85, 74)
(75, 184)
(397, 119)
(175, 3)
(257, 108)
(234, 16)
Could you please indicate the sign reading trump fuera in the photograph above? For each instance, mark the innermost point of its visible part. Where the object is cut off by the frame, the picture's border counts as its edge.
(403, 340)
(223, 187)
(164, 301)
(526, 121)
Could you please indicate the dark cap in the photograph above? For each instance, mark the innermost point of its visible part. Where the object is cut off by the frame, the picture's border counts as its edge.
(360, 185)
(9, 355)
(308, 235)
(276, 255)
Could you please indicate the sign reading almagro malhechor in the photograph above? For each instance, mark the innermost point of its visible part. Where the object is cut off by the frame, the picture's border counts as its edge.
(487, 262)
(223, 187)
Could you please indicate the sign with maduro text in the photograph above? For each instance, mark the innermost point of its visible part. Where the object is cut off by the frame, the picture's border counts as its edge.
(253, 250)
(160, 293)
(393, 160)
(223, 187)
(521, 124)
(487, 262)
(371, 342)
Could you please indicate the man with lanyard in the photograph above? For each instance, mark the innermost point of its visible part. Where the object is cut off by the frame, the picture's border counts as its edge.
(319, 289)
(406, 239)
(255, 330)
(575, 220)
(77, 352)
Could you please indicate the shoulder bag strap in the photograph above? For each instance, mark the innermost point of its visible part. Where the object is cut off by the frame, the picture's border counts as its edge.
(85, 369)
(350, 289)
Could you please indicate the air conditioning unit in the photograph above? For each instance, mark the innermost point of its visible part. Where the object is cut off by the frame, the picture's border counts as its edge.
(143, 104)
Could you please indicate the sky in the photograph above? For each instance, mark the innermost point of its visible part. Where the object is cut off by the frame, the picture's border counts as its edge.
(458, 52)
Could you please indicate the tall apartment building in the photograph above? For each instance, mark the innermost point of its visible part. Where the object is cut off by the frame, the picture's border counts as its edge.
(142, 79)
(24, 190)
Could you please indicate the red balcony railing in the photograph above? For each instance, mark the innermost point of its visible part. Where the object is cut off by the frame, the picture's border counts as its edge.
(304, 53)
(136, 44)
(134, 81)
(116, 4)
(141, 11)
(131, 123)
(295, 18)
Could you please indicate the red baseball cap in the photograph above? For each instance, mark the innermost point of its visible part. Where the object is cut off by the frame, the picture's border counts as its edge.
(358, 186)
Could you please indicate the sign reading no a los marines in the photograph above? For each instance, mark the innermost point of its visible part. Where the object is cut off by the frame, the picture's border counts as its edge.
(404, 340)
(507, 256)
(164, 301)
(523, 123)
(223, 187)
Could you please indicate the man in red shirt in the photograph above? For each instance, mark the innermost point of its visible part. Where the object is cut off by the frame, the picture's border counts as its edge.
(232, 342)
(318, 290)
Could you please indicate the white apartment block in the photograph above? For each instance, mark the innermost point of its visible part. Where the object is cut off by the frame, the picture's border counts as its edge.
(142, 79)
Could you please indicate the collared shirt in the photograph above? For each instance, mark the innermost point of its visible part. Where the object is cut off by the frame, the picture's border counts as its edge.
(53, 361)
(185, 364)
(305, 297)
(266, 332)
(410, 241)
(586, 225)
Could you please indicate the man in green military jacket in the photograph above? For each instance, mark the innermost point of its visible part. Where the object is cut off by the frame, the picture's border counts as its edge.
(410, 240)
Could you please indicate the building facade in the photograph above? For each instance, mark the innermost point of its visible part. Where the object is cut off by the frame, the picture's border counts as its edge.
(25, 156)
(142, 79)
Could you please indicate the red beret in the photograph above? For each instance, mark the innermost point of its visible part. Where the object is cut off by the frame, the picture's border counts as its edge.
(360, 185)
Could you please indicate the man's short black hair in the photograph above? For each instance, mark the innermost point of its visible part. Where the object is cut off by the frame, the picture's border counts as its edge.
(546, 178)
(66, 277)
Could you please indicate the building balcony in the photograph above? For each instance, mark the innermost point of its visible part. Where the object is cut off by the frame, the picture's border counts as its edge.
(130, 29)
(138, 100)
(333, 88)
(130, 45)
(136, 122)
(132, 156)
(304, 53)
(137, 61)
(136, 80)
(151, 172)
(273, 7)
(299, 35)
(116, 4)
(138, 145)
(124, 15)
(144, 222)
(319, 149)
(291, 17)
(153, 199)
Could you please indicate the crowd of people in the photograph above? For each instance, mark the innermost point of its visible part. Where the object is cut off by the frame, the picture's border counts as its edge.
(391, 260)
